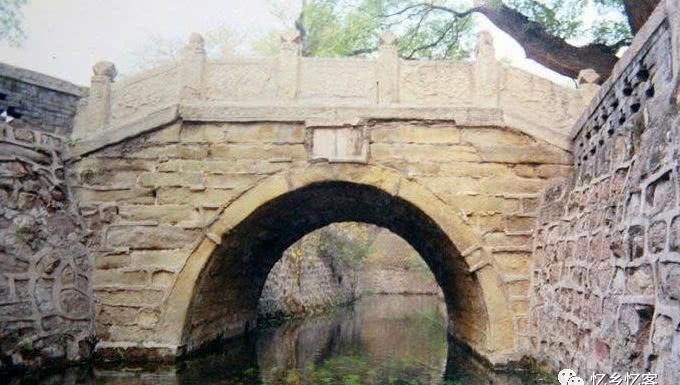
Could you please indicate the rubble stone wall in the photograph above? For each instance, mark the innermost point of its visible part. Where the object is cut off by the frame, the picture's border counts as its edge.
(46, 303)
(606, 269)
(313, 274)
(340, 263)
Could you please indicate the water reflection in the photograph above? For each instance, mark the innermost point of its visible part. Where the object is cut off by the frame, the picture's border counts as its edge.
(391, 340)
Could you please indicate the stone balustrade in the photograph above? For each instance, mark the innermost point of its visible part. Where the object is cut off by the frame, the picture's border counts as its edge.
(291, 87)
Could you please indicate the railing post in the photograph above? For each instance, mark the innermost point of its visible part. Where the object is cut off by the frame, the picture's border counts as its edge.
(387, 70)
(487, 72)
(193, 64)
(99, 101)
(587, 84)
(289, 65)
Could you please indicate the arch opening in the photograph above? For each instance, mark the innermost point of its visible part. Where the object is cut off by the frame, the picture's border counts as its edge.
(339, 265)
(226, 295)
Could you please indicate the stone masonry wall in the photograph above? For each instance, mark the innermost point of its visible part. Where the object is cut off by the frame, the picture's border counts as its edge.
(606, 269)
(392, 266)
(46, 309)
(317, 272)
(148, 199)
(339, 263)
(38, 101)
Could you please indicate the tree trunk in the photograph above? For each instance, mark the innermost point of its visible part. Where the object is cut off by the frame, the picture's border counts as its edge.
(638, 12)
(548, 50)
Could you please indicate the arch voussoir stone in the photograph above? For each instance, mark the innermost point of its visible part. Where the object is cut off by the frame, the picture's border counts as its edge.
(496, 338)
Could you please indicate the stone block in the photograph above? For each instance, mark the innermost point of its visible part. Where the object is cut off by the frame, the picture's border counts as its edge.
(511, 185)
(501, 239)
(164, 214)
(147, 319)
(129, 297)
(237, 182)
(171, 151)
(469, 169)
(423, 152)
(116, 315)
(162, 278)
(111, 261)
(517, 224)
(118, 195)
(636, 242)
(164, 259)
(415, 134)
(104, 278)
(182, 179)
(196, 198)
(669, 274)
(167, 134)
(265, 133)
(75, 303)
(657, 236)
(674, 235)
(151, 237)
(243, 166)
(640, 280)
(494, 137)
(513, 262)
(533, 154)
(258, 152)
(660, 195)
(451, 187)
(339, 144)
(17, 309)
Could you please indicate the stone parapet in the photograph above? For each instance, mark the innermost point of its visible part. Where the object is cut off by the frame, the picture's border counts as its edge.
(292, 81)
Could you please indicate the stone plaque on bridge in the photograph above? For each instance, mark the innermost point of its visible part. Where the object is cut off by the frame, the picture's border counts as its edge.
(339, 144)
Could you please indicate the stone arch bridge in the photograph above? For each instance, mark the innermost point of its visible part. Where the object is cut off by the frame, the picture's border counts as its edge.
(195, 176)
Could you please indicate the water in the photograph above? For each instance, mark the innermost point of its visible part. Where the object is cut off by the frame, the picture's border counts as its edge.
(391, 340)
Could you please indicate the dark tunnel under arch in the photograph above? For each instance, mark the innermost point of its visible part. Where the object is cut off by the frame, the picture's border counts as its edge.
(225, 298)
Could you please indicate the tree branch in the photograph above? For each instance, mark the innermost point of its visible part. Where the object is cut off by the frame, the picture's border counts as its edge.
(363, 51)
(638, 12)
(551, 51)
(432, 44)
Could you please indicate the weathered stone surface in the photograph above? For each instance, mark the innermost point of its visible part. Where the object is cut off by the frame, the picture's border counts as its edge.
(45, 300)
(340, 263)
(182, 156)
(150, 237)
(608, 303)
(442, 134)
(38, 101)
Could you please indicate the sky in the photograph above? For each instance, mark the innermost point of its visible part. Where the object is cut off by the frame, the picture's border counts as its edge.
(65, 38)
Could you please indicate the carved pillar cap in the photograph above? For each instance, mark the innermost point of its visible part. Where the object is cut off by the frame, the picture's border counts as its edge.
(387, 39)
(588, 76)
(105, 69)
(195, 39)
(291, 41)
(290, 36)
(196, 43)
